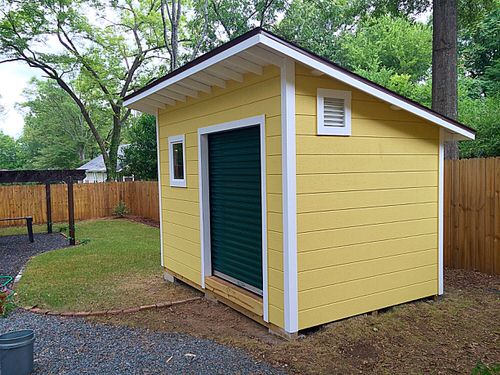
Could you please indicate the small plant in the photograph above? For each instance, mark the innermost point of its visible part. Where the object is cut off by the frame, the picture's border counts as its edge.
(121, 209)
(84, 241)
(6, 302)
(482, 369)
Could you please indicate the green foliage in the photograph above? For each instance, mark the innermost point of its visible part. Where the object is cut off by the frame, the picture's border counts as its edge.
(96, 61)
(483, 115)
(55, 134)
(8, 152)
(318, 24)
(6, 302)
(140, 157)
(121, 209)
(395, 44)
(234, 17)
(393, 52)
(480, 51)
(482, 369)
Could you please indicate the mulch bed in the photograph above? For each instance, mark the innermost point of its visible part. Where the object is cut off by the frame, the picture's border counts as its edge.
(15, 251)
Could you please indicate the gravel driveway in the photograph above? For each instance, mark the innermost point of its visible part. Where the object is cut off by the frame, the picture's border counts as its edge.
(16, 250)
(75, 346)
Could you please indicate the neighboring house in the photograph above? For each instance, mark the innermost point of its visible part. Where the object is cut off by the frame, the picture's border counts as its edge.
(95, 169)
(294, 190)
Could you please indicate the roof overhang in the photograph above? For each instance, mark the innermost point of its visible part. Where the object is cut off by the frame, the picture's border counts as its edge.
(251, 52)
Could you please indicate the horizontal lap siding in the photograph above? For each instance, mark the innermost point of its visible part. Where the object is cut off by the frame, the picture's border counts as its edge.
(181, 213)
(366, 208)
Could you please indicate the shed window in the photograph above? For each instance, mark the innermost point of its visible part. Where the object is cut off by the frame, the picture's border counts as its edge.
(334, 112)
(177, 160)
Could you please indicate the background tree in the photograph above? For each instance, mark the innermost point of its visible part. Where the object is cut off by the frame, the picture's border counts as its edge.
(140, 157)
(55, 133)
(8, 152)
(107, 56)
(228, 19)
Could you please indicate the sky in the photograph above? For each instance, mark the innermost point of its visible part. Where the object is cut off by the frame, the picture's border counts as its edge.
(14, 78)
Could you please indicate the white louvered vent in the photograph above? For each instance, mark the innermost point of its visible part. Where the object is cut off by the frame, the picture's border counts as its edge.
(334, 112)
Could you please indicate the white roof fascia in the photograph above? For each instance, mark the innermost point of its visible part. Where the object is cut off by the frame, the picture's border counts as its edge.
(250, 42)
(343, 77)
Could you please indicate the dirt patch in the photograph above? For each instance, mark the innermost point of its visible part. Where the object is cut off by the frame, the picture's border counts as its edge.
(143, 220)
(449, 336)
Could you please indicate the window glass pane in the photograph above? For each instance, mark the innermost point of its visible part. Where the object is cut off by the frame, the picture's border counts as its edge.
(178, 161)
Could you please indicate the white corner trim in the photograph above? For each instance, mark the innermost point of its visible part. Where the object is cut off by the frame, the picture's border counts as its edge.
(206, 261)
(288, 147)
(159, 184)
(198, 67)
(352, 81)
(441, 213)
(320, 104)
(175, 139)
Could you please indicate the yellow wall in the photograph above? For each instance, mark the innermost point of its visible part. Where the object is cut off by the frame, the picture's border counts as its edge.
(366, 207)
(256, 95)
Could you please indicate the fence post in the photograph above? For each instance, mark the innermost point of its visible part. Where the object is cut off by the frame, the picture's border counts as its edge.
(71, 212)
(49, 208)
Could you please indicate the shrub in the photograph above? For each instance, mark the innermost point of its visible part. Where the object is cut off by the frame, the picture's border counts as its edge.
(6, 303)
(121, 209)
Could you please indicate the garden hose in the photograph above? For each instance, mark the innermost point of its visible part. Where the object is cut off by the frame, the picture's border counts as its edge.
(5, 283)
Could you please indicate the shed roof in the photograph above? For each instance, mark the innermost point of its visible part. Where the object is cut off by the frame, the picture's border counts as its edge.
(248, 54)
(97, 164)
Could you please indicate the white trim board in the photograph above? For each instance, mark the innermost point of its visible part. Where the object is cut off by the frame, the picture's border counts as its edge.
(289, 175)
(206, 263)
(441, 213)
(159, 185)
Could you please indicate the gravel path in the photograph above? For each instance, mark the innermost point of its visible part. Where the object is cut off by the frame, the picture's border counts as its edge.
(16, 250)
(75, 346)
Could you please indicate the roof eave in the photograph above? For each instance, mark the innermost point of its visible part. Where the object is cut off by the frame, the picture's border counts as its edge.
(259, 37)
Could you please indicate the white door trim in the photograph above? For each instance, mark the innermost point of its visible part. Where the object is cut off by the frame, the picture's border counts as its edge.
(289, 167)
(206, 263)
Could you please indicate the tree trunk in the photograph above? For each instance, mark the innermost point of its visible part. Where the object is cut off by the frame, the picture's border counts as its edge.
(444, 64)
(113, 147)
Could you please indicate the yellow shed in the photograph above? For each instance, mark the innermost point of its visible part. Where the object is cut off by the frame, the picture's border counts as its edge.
(294, 190)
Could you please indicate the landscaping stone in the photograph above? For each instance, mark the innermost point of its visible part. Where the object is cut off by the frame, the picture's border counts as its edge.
(76, 346)
(16, 250)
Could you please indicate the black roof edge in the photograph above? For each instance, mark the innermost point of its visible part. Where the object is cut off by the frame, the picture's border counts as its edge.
(259, 30)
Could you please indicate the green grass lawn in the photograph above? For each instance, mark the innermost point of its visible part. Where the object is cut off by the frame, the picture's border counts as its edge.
(40, 228)
(116, 266)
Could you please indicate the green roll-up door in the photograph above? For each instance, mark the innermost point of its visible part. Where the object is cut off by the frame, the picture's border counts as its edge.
(235, 206)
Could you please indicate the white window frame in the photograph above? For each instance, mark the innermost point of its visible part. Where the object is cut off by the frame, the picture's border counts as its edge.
(176, 182)
(333, 130)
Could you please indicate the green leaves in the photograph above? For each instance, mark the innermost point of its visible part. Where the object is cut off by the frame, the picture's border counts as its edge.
(140, 156)
(8, 152)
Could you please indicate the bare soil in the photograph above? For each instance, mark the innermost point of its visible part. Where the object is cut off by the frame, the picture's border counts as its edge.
(448, 336)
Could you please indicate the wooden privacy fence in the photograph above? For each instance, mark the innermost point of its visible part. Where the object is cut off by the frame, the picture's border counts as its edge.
(472, 214)
(471, 208)
(92, 201)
